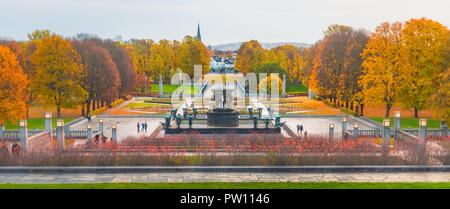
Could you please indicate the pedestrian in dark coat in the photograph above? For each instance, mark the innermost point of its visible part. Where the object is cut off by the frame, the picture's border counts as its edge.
(138, 126)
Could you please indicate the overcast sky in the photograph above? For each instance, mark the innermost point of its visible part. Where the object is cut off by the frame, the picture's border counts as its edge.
(221, 21)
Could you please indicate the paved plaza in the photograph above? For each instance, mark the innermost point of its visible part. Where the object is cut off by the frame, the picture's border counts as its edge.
(320, 125)
(125, 126)
(222, 177)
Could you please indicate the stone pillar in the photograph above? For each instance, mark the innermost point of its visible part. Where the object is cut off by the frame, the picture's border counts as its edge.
(397, 123)
(284, 85)
(185, 112)
(100, 125)
(2, 129)
(386, 135)
(331, 132)
(160, 86)
(89, 134)
(260, 112)
(344, 126)
(356, 132)
(23, 134)
(423, 129)
(60, 134)
(444, 130)
(114, 133)
(48, 123)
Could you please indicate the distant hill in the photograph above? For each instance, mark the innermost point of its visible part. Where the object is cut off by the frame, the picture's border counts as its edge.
(235, 46)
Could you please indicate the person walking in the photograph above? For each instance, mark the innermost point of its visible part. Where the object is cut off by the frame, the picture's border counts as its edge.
(142, 127)
(138, 126)
(301, 129)
(298, 128)
(145, 126)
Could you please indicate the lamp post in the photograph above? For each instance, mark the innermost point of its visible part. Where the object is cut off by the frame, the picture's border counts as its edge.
(48, 123)
(331, 131)
(386, 135)
(397, 123)
(100, 125)
(422, 129)
(60, 134)
(89, 134)
(114, 133)
(356, 132)
(23, 133)
(344, 126)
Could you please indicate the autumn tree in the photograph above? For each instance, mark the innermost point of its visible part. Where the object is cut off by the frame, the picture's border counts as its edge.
(290, 59)
(425, 42)
(140, 51)
(39, 34)
(270, 68)
(123, 63)
(101, 79)
(249, 55)
(382, 62)
(59, 71)
(161, 60)
(193, 52)
(13, 84)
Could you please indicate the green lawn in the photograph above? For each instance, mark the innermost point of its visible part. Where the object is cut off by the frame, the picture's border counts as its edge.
(222, 185)
(169, 88)
(297, 88)
(35, 123)
(140, 104)
(410, 122)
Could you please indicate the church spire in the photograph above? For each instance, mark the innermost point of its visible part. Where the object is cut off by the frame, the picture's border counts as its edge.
(198, 32)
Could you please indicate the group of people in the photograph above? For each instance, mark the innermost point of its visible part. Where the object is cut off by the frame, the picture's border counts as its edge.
(300, 131)
(142, 126)
(15, 148)
(104, 138)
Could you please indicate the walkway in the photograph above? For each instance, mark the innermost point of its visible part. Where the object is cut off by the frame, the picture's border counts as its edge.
(223, 177)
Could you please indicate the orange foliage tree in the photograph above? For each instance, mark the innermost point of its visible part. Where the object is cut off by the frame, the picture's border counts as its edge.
(13, 83)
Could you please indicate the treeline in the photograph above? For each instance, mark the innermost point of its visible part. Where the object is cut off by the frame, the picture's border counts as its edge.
(166, 57)
(251, 57)
(402, 64)
(64, 73)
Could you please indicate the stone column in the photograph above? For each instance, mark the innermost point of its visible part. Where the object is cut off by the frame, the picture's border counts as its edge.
(100, 125)
(89, 134)
(114, 133)
(386, 135)
(284, 85)
(423, 129)
(331, 132)
(260, 112)
(356, 132)
(444, 130)
(397, 123)
(23, 134)
(60, 134)
(48, 123)
(2, 129)
(160, 86)
(344, 126)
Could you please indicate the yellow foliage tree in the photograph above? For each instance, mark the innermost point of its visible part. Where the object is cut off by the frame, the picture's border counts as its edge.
(266, 84)
(13, 84)
(60, 72)
(193, 52)
(425, 43)
(249, 55)
(381, 66)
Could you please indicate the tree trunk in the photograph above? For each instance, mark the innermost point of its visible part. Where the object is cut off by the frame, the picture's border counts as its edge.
(346, 104)
(58, 112)
(362, 110)
(416, 112)
(388, 109)
(93, 104)
(88, 107)
(357, 110)
(351, 106)
(82, 109)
